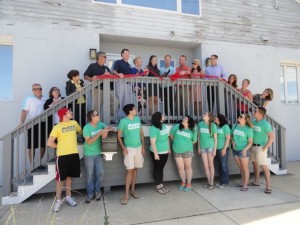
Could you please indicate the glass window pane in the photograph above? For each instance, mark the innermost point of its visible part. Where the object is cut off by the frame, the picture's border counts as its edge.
(156, 4)
(6, 63)
(190, 7)
(282, 94)
(106, 1)
(291, 84)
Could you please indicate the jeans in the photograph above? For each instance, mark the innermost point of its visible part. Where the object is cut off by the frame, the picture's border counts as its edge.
(94, 173)
(221, 163)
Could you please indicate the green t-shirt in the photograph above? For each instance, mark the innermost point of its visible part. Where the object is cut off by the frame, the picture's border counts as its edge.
(183, 139)
(260, 131)
(206, 137)
(162, 139)
(241, 134)
(90, 131)
(131, 131)
(222, 133)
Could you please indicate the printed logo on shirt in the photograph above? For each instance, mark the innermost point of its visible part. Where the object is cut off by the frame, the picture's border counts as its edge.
(204, 130)
(185, 134)
(220, 131)
(163, 132)
(257, 128)
(134, 126)
(238, 132)
(95, 132)
(69, 128)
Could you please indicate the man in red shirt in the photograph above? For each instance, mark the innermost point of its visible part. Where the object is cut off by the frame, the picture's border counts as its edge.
(183, 70)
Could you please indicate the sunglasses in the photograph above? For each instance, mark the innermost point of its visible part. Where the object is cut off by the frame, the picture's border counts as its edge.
(95, 115)
(241, 117)
(193, 63)
(37, 89)
(104, 56)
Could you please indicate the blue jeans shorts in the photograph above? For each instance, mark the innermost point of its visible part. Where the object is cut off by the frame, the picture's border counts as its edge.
(206, 150)
(240, 154)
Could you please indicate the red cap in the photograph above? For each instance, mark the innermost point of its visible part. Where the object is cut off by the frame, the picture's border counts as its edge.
(61, 113)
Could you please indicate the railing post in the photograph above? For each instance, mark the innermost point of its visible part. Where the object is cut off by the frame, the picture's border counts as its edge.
(282, 146)
(106, 101)
(7, 164)
(221, 98)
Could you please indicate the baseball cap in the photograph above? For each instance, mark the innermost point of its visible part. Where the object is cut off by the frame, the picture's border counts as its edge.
(61, 113)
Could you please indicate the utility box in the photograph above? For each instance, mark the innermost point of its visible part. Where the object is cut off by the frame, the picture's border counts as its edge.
(109, 145)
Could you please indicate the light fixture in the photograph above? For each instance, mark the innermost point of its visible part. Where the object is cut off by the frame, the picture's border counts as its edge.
(264, 38)
(93, 53)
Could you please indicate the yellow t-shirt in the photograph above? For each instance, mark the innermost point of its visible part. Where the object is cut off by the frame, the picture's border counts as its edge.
(66, 134)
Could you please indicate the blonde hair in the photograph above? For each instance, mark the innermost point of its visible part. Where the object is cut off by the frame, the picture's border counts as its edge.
(136, 59)
(271, 94)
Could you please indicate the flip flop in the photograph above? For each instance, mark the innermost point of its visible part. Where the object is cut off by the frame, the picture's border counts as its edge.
(253, 184)
(135, 195)
(238, 185)
(124, 201)
(268, 191)
(244, 189)
(211, 187)
(206, 185)
(161, 191)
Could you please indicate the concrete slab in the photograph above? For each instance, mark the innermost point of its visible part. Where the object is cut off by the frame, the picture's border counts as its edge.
(208, 219)
(232, 198)
(275, 215)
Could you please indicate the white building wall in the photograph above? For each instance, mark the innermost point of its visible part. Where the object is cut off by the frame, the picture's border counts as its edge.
(260, 64)
(42, 56)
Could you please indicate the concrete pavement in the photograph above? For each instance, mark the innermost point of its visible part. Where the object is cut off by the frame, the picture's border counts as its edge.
(200, 206)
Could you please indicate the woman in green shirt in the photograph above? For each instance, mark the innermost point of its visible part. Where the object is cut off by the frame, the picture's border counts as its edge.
(223, 136)
(159, 150)
(242, 138)
(207, 146)
(184, 136)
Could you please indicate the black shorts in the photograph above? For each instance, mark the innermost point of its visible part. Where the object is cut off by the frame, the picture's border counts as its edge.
(36, 134)
(67, 166)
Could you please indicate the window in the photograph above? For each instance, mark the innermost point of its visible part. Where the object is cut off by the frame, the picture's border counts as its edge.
(289, 83)
(190, 7)
(6, 64)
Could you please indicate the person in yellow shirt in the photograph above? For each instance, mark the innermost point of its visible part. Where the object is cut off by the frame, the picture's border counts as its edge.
(67, 159)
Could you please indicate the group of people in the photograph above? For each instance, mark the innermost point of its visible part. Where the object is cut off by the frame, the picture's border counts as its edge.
(247, 139)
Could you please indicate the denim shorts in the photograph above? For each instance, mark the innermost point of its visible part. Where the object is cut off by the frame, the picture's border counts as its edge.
(240, 154)
(206, 150)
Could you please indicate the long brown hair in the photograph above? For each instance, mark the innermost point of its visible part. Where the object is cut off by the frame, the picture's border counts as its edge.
(248, 120)
(210, 122)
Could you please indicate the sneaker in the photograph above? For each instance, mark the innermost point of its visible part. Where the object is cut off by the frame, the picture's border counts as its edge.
(187, 188)
(70, 201)
(182, 186)
(57, 206)
(88, 199)
(98, 195)
(223, 186)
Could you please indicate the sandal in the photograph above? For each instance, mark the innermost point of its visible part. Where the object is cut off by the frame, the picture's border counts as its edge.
(253, 184)
(124, 201)
(244, 189)
(161, 191)
(268, 191)
(238, 185)
(211, 187)
(166, 189)
(206, 185)
(135, 195)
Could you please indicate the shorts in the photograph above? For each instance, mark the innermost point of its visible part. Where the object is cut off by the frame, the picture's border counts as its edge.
(189, 154)
(206, 150)
(134, 158)
(258, 155)
(36, 133)
(240, 154)
(67, 166)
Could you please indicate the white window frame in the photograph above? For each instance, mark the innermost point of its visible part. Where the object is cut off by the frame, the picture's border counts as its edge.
(179, 9)
(291, 64)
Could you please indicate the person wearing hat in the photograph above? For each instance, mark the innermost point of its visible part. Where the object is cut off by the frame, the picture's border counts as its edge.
(196, 94)
(67, 159)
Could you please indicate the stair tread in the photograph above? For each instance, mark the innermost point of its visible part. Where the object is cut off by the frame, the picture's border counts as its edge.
(28, 180)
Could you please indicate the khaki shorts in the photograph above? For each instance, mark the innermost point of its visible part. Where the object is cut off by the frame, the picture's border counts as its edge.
(134, 158)
(257, 155)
